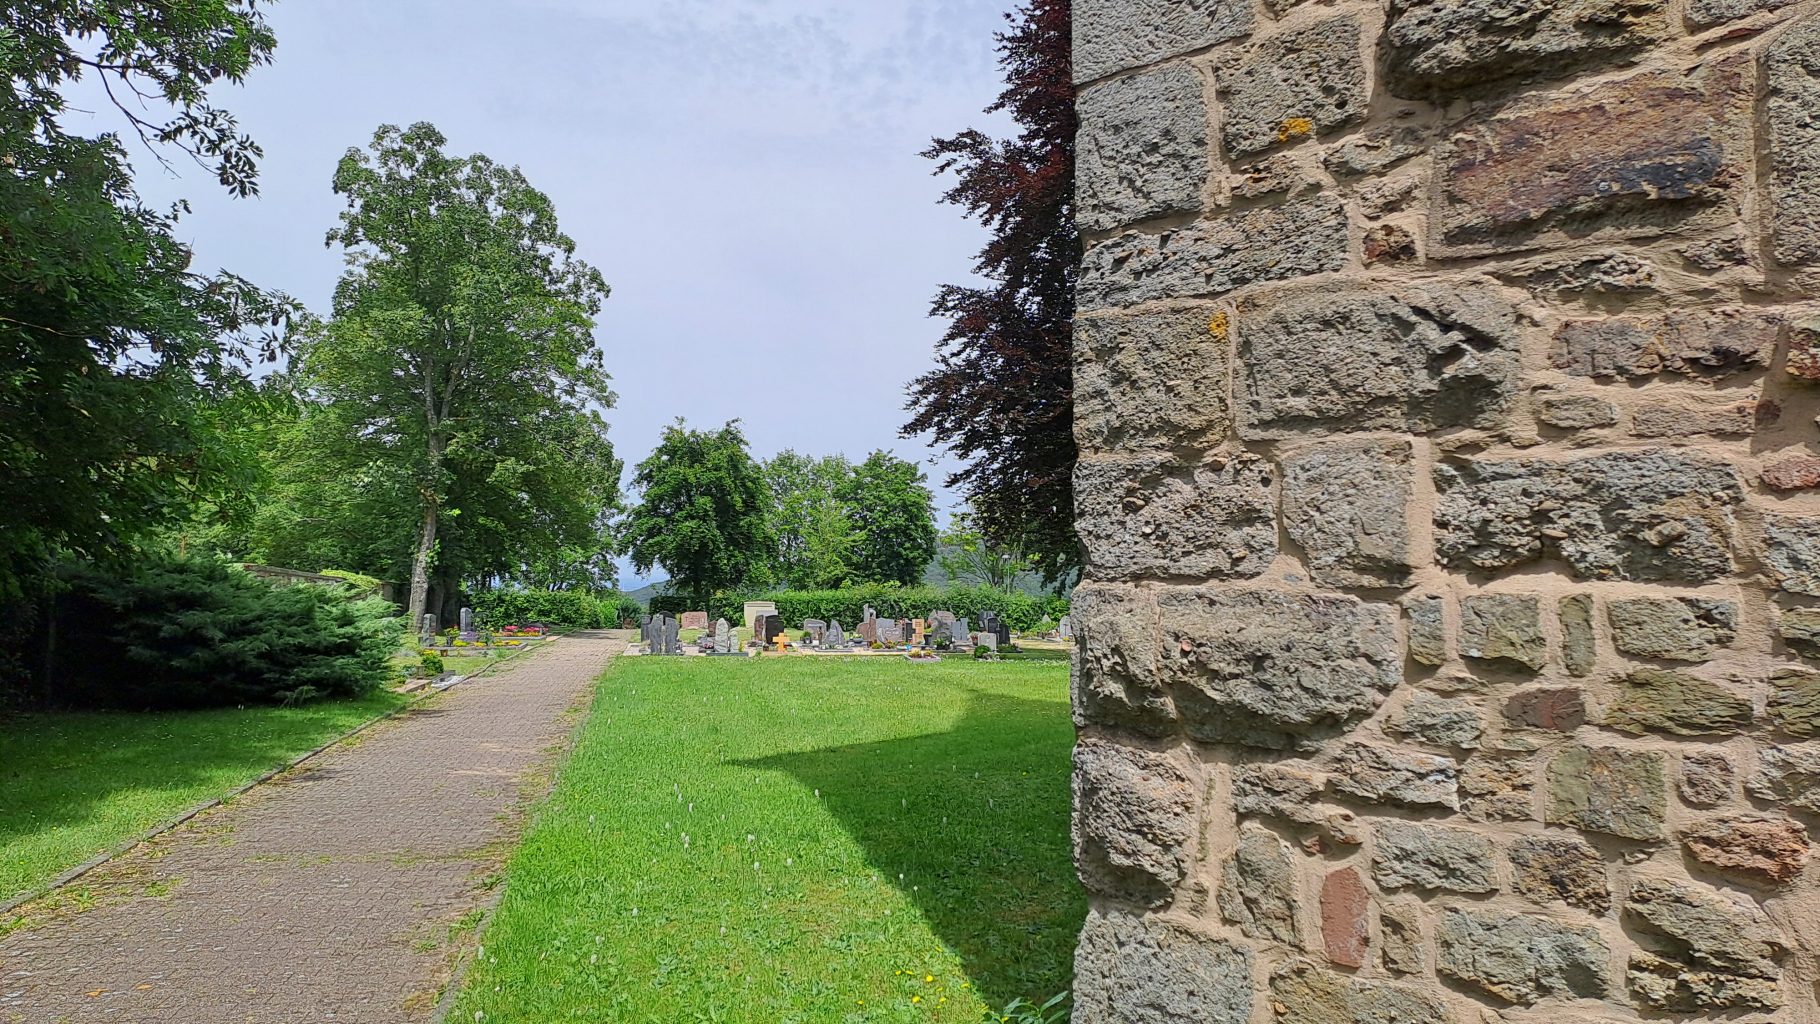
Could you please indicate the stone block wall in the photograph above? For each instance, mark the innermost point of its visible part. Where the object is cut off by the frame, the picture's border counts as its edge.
(1447, 382)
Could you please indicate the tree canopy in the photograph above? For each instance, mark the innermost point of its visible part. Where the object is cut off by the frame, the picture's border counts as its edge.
(704, 511)
(813, 533)
(892, 514)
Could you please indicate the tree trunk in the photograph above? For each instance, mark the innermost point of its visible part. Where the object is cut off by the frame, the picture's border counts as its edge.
(420, 564)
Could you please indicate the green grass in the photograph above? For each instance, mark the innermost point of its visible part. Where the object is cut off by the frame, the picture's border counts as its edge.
(77, 784)
(800, 840)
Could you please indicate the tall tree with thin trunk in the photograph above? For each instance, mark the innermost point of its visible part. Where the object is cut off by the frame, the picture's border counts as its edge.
(1001, 395)
(463, 321)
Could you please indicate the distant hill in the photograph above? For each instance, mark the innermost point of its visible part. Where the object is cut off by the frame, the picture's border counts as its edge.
(644, 594)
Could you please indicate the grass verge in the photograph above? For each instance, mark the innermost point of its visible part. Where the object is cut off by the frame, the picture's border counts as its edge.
(795, 840)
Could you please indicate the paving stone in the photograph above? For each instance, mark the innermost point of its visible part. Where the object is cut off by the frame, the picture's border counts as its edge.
(1441, 47)
(1431, 858)
(1560, 867)
(1579, 649)
(1391, 776)
(1345, 503)
(1213, 257)
(1521, 958)
(1789, 775)
(1303, 993)
(1674, 628)
(1794, 701)
(1721, 953)
(1150, 380)
(1699, 343)
(1791, 550)
(1135, 814)
(1275, 669)
(1503, 628)
(1343, 359)
(1140, 970)
(1764, 848)
(1115, 35)
(1440, 722)
(1556, 710)
(1346, 918)
(1792, 66)
(1707, 778)
(1147, 514)
(1606, 789)
(1142, 148)
(1257, 888)
(1303, 82)
(1115, 680)
(1656, 700)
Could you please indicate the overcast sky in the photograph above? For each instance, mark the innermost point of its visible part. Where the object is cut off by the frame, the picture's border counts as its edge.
(744, 172)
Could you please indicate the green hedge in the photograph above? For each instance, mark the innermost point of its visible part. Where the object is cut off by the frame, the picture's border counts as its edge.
(1021, 612)
(563, 609)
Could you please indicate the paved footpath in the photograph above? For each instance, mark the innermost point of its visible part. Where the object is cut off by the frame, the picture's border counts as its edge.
(327, 894)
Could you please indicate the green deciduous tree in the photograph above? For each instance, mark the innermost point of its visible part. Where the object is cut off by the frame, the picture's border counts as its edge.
(809, 521)
(704, 512)
(893, 515)
(968, 556)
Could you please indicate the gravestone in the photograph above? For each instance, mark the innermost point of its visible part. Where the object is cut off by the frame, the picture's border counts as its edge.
(767, 628)
(890, 631)
(991, 623)
(428, 627)
(695, 620)
(672, 642)
(1065, 629)
(919, 632)
(987, 640)
(467, 620)
(959, 633)
(835, 639)
(723, 637)
(755, 610)
(868, 630)
(816, 629)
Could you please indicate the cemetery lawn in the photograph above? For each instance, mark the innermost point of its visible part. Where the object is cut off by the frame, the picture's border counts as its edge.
(77, 784)
(794, 839)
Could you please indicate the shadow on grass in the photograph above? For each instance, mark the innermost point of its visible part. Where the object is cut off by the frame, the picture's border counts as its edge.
(986, 858)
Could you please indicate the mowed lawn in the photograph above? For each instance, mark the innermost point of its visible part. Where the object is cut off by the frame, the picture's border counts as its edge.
(786, 840)
(74, 785)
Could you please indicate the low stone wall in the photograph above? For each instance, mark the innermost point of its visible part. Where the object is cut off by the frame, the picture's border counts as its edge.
(1447, 375)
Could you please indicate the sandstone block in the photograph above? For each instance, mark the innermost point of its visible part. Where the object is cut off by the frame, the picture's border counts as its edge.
(1273, 669)
(1794, 702)
(1767, 849)
(1257, 888)
(1278, 790)
(1800, 473)
(1374, 151)
(1139, 970)
(1709, 934)
(1707, 778)
(1791, 550)
(1305, 994)
(1115, 679)
(1142, 148)
(1405, 950)
(1521, 958)
(1274, 175)
(1440, 722)
(1303, 82)
(1557, 710)
(1213, 257)
(1690, 419)
(1445, 46)
(1701, 343)
(1499, 788)
(1662, 984)
(1503, 628)
(1346, 504)
(1604, 789)
(1788, 775)
(1427, 629)
(1626, 159)
(1390, 243)
(1346, 918)
(1431, 857)
(1705, 13)
(1391, 776)
(1422, 358)
(1564, 868)
(1151, 380)
(1148, 515)
(1792, 66)
(1613, 272)
(1656, 700)
(1674, 628)
(1648, 515)
(1579, 649)
(1136, 813)
(1577, 412)
(1114, 35)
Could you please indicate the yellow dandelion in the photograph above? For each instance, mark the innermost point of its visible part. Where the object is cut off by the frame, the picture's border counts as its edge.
(927, 978)
(916, 999)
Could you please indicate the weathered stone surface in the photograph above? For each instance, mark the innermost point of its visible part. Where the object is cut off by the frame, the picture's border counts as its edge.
(1788, 775)
(1792, 66)
(1307, 81)
(1703, 13)
(1279, 790)
(1579, 649)
(1705, 343)
(1390, 243)
(1675, 628)
(1431, 857)
(1520, 958)
(1648, 515)
(1115, 680)
(1375, 150)
(1421, 358)
(1213, 257)
(1626, 159)
(1439, 722)
(1257, 887)
(1135, 816)
(1605, 789)
(1346, 918)
(1280, 174)
(1446, 46)
(1113, 35)
(1763, 848)
(1405, 950)
(1794, 701)
(1504, 628)
(1274, 669)
(1655, 700)
(1723, 251)
(1714, 940)
(1791, 550)
(1608, 273)
(1303, 993)
(1693, 419)
(1427, 629)
(1560, 867)
(1800, 473)
(1386, 775)
(1142, 148)
(1139, 970)
(1557, 710)
(1499, 788)
(1800, 628)
(1345, 503)
(1394, 193)
(1803, 362)
(1577, 412)
(1149, 515)
(1150, 380)
(1707, 778)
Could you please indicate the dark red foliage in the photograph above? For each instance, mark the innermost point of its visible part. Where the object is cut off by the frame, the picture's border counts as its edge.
(1001, 396)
